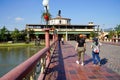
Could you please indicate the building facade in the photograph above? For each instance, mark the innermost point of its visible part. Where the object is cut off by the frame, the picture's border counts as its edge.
(63, 27)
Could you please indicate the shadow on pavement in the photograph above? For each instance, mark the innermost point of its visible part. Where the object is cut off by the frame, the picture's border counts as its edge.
(88, 61)
(56, 70)
(104, 61)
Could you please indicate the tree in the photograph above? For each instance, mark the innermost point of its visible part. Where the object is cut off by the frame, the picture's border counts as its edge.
(22, 35)
(111, 34)
(15, 35)
(93, 34)
(4, 34)
(117, 29)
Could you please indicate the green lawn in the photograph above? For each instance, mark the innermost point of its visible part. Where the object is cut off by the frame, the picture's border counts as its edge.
(18, 44)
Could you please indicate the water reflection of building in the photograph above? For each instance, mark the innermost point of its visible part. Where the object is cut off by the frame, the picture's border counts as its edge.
(63, 27)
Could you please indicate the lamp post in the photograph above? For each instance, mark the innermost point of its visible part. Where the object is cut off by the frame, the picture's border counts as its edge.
(98, 31)
(45, 4)
(116, 34)
(47, 41)
(46, 7)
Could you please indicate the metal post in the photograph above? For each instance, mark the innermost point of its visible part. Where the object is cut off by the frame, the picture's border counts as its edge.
(47, 41)
(98, 31)
(46, 13)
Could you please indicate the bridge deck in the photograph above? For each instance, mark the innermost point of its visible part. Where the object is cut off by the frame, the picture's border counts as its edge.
(63, 67)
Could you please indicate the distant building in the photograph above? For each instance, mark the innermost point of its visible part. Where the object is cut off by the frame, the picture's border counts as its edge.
(63, 27)
(59, 21)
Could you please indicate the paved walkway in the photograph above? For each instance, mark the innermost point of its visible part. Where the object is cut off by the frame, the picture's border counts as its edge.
(110, 54)
(63, 66)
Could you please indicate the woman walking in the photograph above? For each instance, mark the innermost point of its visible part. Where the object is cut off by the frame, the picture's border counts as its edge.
(95, 51)
(80, 48)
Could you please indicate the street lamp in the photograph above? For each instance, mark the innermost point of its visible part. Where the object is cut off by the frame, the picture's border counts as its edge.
(98, 31)
(47, 40)
(46, 16)
(45, 4)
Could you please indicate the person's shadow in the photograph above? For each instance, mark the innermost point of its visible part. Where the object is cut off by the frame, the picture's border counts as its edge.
(103, 61)
(88, 61)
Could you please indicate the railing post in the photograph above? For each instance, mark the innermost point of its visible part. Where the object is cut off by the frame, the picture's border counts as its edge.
(53, 37)
(47, 44)
(47, 41)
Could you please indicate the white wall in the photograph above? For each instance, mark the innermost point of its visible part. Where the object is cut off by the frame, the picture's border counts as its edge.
(57, 21)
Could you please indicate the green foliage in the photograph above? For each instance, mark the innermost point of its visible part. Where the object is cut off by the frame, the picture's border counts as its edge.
(114, 32)
(117, 29)
(15, 35)
(93, 34)
(111, 34)
(3, 34)
(44, 13)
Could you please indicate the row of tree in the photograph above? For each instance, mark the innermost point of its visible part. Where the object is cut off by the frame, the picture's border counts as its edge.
(112, 33)
(16, 35)
(115, 32)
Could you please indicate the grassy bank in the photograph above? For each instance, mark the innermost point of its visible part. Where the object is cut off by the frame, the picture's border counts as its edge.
(18, 44)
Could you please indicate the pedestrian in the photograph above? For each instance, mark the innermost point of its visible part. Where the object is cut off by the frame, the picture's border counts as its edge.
(80, 48)
(62, 39)
(95, 51)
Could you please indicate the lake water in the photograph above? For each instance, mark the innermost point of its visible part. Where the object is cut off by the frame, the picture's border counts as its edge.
(13, 56)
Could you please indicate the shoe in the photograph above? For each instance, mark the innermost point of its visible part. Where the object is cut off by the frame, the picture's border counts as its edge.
(77, 62)
(99, 64)
(82, 64)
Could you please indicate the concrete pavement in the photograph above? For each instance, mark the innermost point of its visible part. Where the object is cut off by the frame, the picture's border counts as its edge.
(63, 64)
(109, 53)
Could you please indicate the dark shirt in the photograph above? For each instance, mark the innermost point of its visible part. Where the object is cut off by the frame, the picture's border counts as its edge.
(81, 42)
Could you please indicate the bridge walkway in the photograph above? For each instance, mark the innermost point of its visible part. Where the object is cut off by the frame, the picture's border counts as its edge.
(63, 67)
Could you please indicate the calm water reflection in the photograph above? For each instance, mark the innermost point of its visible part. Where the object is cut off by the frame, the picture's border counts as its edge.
(12, 56)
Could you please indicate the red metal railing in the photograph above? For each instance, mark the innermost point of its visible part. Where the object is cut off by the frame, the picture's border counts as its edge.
(33, 68)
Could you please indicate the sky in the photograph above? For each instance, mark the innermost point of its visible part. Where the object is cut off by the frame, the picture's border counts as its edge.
(18, 13)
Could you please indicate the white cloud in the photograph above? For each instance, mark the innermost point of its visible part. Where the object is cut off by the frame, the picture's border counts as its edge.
(19, 19)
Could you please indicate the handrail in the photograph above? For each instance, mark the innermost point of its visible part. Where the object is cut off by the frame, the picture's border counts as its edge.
(19, 72)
